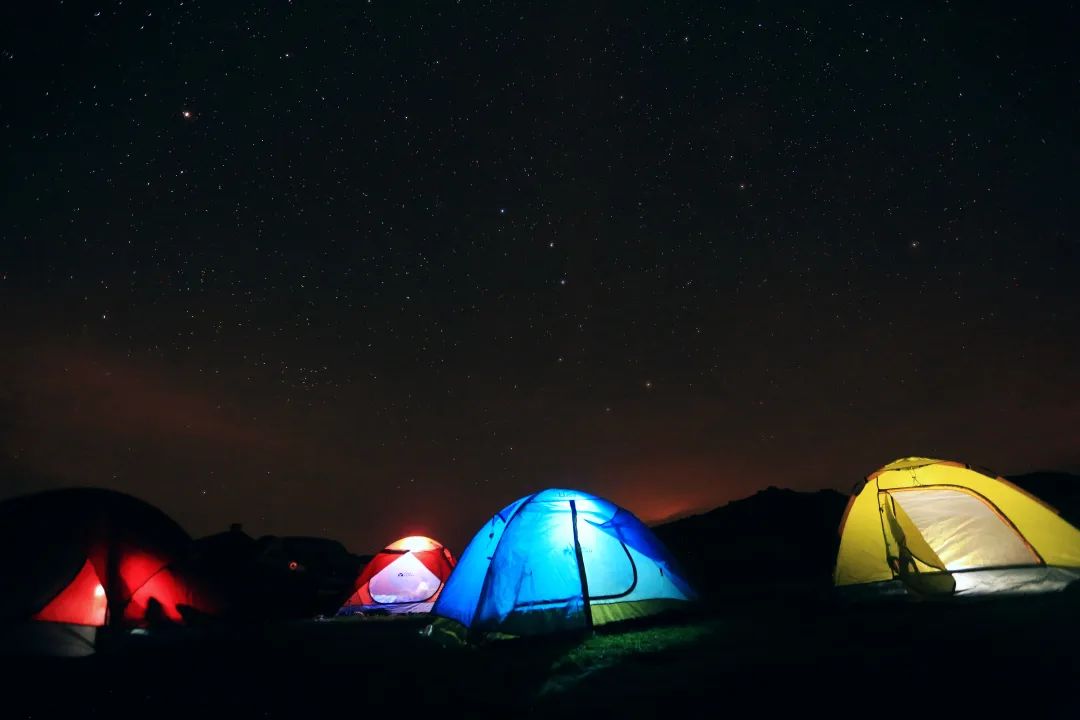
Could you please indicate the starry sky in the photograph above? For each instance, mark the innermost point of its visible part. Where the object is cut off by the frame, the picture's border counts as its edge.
(362, 269)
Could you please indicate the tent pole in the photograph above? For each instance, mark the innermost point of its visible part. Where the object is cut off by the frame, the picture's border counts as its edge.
(581, 568)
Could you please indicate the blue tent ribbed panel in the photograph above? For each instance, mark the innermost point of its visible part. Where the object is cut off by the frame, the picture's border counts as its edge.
(468, 576)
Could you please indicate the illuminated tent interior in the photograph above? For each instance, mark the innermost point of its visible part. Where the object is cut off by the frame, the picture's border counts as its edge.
(90, 558)
(560, 560)
(931, 528)
(405, 577)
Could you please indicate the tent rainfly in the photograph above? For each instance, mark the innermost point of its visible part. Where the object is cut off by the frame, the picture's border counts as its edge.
(931, 528)
(405, 577)
(560, 560)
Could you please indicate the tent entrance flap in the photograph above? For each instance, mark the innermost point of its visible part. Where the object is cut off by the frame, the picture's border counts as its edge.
(964, 531)
(934, 535)
(406, 576)
(910, 556)
(406, 580)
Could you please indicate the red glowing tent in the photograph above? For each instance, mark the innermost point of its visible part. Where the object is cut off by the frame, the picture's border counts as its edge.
(405, 577)
(90, 558)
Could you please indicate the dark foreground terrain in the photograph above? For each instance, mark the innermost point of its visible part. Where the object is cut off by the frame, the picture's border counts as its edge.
(791, 651)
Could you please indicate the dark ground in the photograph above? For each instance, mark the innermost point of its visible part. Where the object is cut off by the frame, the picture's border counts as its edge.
(794, 651)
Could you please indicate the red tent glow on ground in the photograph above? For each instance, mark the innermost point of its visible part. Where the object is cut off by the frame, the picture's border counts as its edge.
(405, 577)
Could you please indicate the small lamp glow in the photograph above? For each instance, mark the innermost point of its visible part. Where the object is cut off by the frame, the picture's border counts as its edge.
(414, 543)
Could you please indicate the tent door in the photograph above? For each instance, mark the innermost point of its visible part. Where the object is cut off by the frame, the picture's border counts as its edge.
(937, 532)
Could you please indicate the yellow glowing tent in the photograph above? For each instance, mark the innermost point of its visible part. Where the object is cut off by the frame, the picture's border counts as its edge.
(935, 527)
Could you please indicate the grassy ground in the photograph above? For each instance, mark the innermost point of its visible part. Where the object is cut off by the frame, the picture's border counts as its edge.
(795, 656)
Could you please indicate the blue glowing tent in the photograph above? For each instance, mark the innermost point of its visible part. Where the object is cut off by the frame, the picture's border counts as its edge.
(560, 560)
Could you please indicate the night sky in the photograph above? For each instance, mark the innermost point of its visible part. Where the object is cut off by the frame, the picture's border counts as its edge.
(361, 269)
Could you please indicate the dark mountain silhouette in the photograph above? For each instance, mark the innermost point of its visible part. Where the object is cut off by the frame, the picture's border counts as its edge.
(279, 577)
(775, 537)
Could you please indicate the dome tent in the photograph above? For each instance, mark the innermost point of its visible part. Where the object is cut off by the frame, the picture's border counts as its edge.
(930, 528)
(560, 560)
(405, 577)
(89, 558)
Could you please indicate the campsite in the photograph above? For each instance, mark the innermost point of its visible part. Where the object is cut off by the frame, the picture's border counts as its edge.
(774, 632)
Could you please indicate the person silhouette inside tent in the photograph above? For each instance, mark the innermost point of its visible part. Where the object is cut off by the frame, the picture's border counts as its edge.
(155, 614)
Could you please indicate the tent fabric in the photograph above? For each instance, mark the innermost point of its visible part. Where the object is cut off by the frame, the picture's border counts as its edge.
(95, 558)
(82, 602)
(560, 560)
(944, 528)
(405, 577)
